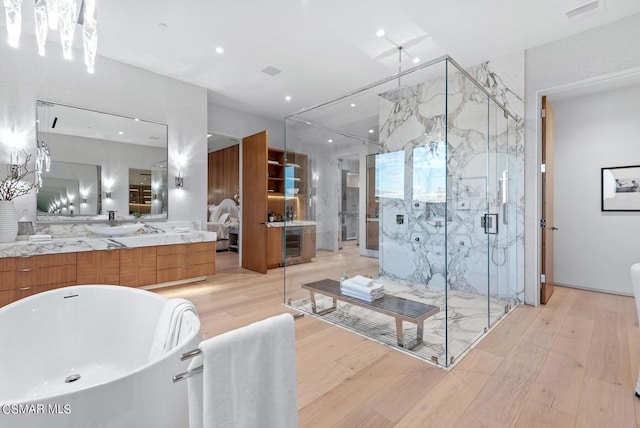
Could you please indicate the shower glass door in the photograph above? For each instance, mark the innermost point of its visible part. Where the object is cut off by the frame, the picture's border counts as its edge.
(472, 218)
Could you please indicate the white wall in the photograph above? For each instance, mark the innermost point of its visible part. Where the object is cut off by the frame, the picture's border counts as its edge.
(236, 123)
(114, 88)
(594, 249)
(608, 49)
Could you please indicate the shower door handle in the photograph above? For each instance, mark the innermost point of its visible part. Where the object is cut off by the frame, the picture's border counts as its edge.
(489, 222)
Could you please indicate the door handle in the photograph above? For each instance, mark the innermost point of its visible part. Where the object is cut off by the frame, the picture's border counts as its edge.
(554, 228)
(262, 223)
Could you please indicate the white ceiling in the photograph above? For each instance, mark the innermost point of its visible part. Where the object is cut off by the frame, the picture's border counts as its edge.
(325, 48)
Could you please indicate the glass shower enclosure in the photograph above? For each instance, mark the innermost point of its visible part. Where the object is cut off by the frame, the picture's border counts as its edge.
(440, 211)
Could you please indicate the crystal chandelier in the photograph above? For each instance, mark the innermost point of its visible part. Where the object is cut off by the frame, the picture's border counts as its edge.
(59, 15)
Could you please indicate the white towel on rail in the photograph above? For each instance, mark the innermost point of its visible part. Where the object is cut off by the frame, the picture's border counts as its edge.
(249, 378)
(176, 321)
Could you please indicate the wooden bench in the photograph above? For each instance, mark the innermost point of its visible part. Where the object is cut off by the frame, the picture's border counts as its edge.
(399, 308)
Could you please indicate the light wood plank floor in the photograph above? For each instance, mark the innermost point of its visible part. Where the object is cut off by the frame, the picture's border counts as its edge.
(573, 362)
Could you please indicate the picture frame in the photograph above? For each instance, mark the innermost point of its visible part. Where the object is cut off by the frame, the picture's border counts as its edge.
(620, 188)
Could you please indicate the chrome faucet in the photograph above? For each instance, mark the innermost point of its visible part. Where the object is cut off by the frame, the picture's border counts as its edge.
(112, 218)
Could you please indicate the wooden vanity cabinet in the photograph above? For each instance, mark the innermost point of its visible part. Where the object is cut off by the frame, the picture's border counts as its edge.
(134, 267)
(184, 261)
(138, 266)
(98, 267)
(24, 276)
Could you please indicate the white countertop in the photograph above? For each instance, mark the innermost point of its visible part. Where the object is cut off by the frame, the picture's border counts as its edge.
(79, 244)
(291, 223)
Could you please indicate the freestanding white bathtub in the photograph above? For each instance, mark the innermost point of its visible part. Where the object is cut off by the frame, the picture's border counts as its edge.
(103, 334)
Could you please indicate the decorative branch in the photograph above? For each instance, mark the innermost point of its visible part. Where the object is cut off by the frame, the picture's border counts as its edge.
(13, 185)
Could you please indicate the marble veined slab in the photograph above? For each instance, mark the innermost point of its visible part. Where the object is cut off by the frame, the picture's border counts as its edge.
(79, 244)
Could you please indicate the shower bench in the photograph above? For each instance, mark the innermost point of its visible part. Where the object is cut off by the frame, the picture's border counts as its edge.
(399, 308)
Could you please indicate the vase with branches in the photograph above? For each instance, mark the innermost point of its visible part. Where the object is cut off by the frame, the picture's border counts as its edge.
(14, 185)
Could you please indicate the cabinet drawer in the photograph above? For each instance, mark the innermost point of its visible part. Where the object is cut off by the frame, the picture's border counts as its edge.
(169, 275)
(7, 280)
(22, 263)
(169, 261)
(98, 267)
(42, 276)
(7, 264)
(202, 246)
(202, 257)
(137, 266)
(164, 250)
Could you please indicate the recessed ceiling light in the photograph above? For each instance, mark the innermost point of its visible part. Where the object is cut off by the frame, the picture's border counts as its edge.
(416, 60)
(353, 104)
(287, 98)
(209, 135)
(163, 25)
(330, 141)
(220, 50)
(136, 119)
(371, 131)
(120, 132)
(380, 32)
(37, 120)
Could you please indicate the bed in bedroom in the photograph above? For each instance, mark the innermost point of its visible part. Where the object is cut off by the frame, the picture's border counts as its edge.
(222, 218)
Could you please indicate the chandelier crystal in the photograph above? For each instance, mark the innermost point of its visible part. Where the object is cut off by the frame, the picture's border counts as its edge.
(13, 13)
(67, 13)
(90, 34)
(59, 15)
(42, 26)
(52, 14)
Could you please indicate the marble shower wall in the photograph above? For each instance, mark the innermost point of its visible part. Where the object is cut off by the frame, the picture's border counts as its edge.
(413, 216)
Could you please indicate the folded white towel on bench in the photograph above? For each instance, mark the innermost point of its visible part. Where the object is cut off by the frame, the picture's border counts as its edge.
(350, 286)
(367, 297)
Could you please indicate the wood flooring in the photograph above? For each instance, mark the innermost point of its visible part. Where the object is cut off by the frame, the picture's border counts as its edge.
(572, 362)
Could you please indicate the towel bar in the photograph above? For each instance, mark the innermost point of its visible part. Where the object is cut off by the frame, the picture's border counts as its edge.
(199, 369)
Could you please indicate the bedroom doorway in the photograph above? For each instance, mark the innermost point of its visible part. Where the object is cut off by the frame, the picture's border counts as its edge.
(223, 195)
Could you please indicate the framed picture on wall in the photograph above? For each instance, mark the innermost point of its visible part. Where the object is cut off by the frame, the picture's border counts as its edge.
(620, 188)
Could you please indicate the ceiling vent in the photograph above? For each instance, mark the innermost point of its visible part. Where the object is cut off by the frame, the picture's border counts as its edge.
(271, 71)
(583, 8)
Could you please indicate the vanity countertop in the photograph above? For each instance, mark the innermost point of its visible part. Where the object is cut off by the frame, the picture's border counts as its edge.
(86, 243)
(291, 223)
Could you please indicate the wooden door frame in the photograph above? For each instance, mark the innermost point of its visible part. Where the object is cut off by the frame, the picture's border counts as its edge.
(545, 288)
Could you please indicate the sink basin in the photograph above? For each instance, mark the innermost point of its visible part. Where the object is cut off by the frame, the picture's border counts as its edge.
(120, 230)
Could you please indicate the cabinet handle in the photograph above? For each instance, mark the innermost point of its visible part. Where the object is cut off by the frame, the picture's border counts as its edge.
(26, 270)
(24, 288)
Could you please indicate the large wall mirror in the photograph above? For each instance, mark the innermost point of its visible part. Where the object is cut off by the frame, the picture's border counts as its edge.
(94, 162)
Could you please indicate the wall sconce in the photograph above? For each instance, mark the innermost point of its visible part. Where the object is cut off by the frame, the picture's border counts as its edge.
(108, 194)
(83, 199)
(179, 181)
